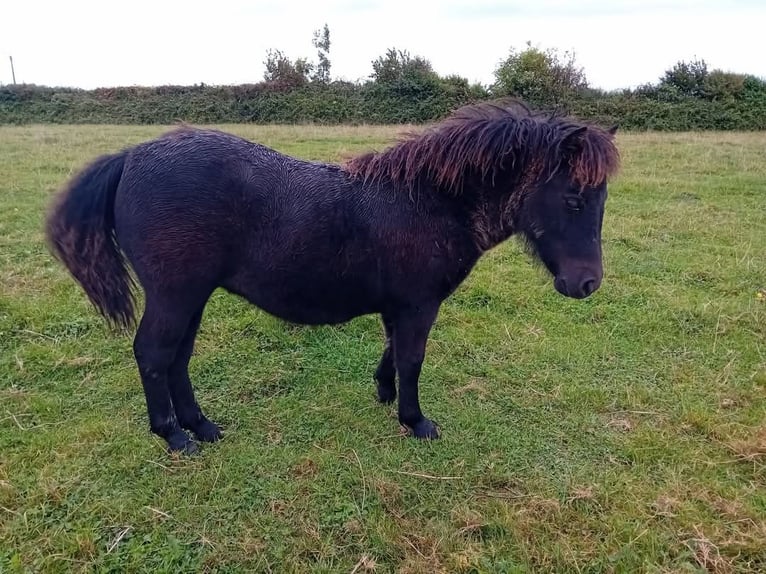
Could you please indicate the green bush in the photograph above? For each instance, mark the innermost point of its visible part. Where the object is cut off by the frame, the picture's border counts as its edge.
(541, 78)
(402, 100)
(405, 89)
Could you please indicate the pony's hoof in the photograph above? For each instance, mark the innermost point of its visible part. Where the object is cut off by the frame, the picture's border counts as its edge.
(181, 443)
(386, 394)
(191, 448)
(208, 431)
(424, 430)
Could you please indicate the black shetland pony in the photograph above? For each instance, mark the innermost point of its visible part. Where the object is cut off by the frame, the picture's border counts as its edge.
(392, 233)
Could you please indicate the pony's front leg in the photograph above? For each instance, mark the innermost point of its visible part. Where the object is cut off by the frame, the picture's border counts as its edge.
(411, 329)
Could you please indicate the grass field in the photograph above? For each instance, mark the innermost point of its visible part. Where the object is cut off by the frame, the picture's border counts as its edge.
(622, 433)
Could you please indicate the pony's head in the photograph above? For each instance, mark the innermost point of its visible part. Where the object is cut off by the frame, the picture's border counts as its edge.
(560, 215)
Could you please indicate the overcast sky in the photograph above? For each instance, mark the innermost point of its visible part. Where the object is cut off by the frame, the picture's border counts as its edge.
(620, 43)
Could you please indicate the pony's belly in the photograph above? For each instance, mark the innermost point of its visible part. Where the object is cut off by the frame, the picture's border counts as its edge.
(318, 316)
(310, 302)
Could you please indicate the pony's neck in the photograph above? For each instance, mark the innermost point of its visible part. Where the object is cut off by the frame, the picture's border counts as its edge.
(493, 215)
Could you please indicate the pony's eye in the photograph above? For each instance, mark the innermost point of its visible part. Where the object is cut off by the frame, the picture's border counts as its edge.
(574, 203)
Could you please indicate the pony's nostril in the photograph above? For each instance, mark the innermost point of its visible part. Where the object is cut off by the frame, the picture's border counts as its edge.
(577, 287)
(588, 286)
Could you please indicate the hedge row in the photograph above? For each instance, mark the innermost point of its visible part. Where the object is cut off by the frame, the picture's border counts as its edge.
(347, 103)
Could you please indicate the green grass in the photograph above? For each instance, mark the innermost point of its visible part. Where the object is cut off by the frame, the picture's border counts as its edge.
(623, 433)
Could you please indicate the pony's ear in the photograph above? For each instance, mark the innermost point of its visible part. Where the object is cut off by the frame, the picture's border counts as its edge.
(571, 142)
(613, 129)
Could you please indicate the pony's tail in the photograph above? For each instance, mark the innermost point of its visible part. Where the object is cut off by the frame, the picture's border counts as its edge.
(80, 232)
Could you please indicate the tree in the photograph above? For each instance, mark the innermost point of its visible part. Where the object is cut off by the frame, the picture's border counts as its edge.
(284, 72)
(321, 42)
(720, 85)
(688, 78)
(543, 78)
(398, 66)
(405, 89)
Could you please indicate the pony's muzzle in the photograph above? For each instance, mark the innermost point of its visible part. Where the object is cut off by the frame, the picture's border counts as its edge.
(578, 283)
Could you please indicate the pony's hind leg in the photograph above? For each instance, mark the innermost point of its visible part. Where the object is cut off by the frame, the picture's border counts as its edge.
(156, 344)
(188, 411)
(385, 374)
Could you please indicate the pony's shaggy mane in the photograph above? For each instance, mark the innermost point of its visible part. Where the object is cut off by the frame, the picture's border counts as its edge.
(485, 139)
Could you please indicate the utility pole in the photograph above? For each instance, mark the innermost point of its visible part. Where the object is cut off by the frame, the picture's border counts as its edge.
(13, 72)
